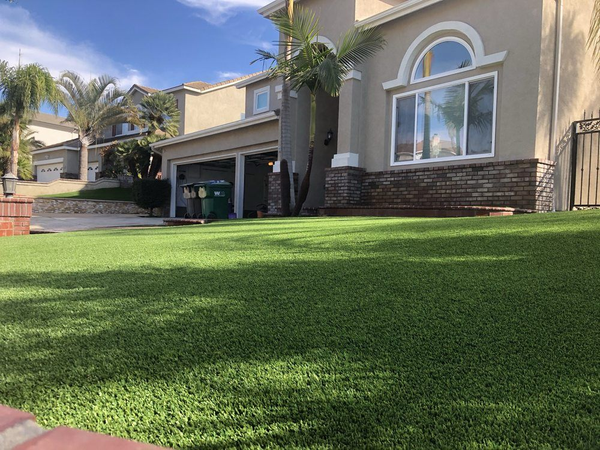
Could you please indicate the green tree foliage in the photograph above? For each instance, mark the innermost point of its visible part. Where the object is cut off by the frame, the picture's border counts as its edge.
(93, 107)
(23, 91)
(158, 113)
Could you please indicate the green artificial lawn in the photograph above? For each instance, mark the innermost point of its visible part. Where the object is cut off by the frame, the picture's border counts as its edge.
(123, 194)
(321, 333)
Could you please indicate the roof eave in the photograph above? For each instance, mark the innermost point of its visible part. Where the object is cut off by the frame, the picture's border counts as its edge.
(406, 8)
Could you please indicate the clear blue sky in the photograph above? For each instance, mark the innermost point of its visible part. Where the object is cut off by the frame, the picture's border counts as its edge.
(160, 43)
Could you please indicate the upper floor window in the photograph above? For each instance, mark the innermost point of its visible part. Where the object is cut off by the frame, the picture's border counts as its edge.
(442, 58)
(261, 100)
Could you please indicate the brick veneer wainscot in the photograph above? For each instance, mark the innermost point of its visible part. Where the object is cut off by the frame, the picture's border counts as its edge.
(15, 216)
(524, 184)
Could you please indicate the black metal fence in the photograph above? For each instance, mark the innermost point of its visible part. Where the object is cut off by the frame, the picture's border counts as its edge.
(585, 163)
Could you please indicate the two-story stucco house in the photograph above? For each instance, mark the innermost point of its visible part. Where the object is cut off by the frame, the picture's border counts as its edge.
(202, 105)
(470, 104)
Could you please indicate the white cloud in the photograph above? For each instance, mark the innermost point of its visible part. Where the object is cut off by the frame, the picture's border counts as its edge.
(223, 76)
(218, 11)
(18, 31)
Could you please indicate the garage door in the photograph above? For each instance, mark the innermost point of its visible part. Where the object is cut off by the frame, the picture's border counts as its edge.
(48, 173)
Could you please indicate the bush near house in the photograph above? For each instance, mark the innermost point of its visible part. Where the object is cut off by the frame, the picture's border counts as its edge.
(311, 333)
(149, 193)
(121, 194)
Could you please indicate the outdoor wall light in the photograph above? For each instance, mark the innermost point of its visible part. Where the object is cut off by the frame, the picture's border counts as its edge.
(329, 137)
(271, 163)
(9, 184)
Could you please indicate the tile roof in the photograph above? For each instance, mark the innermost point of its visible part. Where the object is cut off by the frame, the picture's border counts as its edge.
(203, 86)
(147, 89)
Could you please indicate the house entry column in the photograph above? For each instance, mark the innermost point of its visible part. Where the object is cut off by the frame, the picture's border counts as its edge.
(348, 151)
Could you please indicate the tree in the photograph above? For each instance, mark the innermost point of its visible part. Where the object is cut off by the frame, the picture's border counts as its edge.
(92, 108)
(26, 144)
(23, 91)
(158, 113)
(309, 64)
(594, 36)
(288, 192)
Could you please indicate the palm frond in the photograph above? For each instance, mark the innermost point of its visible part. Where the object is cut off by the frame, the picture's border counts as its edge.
(594, 34)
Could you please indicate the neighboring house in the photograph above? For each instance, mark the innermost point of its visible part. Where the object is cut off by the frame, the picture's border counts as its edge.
(470, 104)
(51, 129)
(202, 105)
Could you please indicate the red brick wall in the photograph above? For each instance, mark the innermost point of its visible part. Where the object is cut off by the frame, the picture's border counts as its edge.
(15, 216)
(274, 192)
(524, 184)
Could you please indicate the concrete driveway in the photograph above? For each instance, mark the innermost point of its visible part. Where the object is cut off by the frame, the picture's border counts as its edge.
(60, 223)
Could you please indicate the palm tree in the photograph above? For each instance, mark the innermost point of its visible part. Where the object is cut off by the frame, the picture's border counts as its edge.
(26, 144)
(594, 36)
(158, 113)
(24, 89)
(93, 107)
(288, 193)
(309, 64)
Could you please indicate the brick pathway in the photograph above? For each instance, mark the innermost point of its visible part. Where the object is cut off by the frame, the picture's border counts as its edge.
(19, 431)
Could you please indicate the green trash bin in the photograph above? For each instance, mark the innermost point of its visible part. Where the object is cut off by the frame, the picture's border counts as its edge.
(216, 198)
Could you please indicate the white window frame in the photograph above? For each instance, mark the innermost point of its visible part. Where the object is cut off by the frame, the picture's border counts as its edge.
(257, 92)
(465, 81)
(413, 77)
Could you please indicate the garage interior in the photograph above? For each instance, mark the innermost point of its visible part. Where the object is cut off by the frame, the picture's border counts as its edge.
(255, 179)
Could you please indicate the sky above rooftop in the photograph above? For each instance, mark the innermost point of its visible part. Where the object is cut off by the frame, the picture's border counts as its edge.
(156, 43)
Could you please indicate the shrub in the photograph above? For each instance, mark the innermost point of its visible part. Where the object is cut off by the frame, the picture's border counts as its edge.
(150, 194)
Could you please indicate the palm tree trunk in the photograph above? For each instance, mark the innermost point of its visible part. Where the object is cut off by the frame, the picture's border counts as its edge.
(286, 129)
(14, 150)
(83, 161)
(305, 186)
(155, 166)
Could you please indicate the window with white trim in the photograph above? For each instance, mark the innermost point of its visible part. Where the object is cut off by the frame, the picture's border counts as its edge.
(445, 122)
(261, 100)
(444, 57)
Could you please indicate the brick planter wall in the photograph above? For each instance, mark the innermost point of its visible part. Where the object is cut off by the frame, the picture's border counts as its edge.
(343, 186)
(15, 216)
(524, 184)
(81, 206)
(274, 192)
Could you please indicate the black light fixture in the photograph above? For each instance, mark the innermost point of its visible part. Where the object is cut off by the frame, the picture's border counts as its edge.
(9, 184)
(329, 137)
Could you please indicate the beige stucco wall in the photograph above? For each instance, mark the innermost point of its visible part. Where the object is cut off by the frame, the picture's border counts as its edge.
(274, 102)
(211, 109)
(260, 136)
(51, 134)
(368, 8)
(579, 91)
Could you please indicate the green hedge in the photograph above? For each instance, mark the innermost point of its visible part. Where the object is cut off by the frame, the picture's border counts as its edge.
(150, 194)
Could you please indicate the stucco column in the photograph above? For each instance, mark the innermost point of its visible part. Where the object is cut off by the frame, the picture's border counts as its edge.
(348, 151)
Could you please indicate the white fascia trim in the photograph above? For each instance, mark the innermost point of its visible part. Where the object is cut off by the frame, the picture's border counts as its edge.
(272, 7)
(48, 162)
(135, 88)
(182, 88)
(55, 149)
(396, 12)
(216, 130)
(252, 80)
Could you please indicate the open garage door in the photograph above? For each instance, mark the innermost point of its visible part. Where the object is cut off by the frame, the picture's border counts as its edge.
(256, 183)
(222, 169)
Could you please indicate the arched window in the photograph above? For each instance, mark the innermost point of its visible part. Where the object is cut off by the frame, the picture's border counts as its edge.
(442, 58)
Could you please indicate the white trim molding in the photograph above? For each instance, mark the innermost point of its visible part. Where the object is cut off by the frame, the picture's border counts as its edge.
(433, 33)
(354, 75)
(466, 81)
(257, 93)
(345, 160)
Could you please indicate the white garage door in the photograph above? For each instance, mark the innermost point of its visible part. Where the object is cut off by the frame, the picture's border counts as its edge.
(48, 173)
